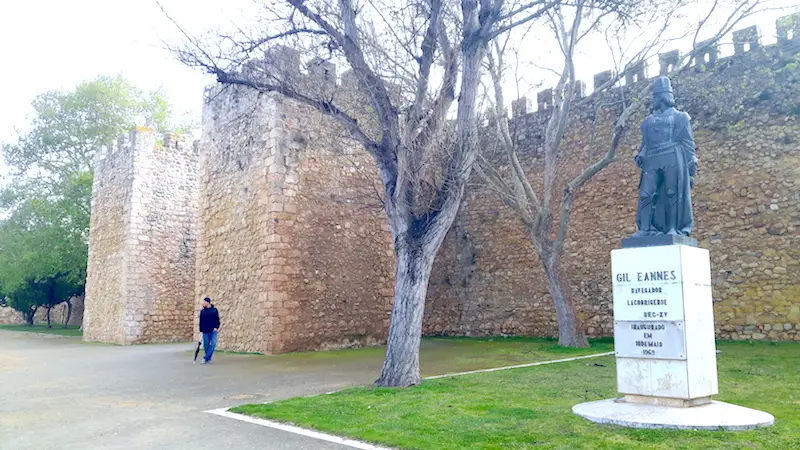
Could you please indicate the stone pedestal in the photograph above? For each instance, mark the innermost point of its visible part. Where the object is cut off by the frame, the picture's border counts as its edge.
(664, 341)
(664, 324)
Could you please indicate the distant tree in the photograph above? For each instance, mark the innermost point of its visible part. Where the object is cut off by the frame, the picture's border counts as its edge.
(54, 158)
(44, 237)
(42, 257)
(69, 125)
(32, 294)
(25, 300)
(59, 289)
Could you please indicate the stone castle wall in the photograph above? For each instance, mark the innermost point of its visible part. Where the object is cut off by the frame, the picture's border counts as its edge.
(344, 280)
(9, 316)
(746, 119)
(292, 250)
(59, 313)
(140, 274)
(233, 218)
(105, 273)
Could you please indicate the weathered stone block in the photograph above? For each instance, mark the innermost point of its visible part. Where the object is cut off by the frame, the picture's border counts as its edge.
(521, 106)
(706, 56)
(746, 40)
(544, 99)
(636, 73)
(602, 78)
(668, 61)
(788, 30)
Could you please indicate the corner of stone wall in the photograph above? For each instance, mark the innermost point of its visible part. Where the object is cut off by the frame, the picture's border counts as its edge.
(336, 276)
(111, 191)
(281, 256)
(275, 184)
(239, 198)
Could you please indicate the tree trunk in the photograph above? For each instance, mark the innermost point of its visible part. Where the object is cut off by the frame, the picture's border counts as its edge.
(29, 316)
(69, 313)
(49, 325)
(401, 366)
(570, 328)
(416, 241)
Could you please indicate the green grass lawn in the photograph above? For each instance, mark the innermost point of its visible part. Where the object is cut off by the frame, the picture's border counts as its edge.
(530, 408)
(39, 328)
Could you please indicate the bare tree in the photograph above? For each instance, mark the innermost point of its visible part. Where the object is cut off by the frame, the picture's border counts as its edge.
(408, 58)
(544, 216)
(69, 312)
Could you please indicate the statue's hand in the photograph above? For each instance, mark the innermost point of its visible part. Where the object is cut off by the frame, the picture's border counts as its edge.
(691, 182)
(639, 160)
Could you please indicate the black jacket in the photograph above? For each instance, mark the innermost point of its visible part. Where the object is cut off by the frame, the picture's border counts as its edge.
(209, 319)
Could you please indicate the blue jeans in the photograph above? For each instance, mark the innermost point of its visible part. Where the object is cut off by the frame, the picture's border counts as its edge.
(209, 344)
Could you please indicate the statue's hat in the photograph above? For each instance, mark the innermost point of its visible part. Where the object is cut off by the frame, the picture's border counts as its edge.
(661, 84)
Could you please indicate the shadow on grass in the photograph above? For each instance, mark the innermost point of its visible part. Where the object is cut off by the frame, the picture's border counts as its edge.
(438, 355)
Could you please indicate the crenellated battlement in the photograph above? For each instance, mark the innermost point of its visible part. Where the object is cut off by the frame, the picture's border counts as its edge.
(139, 140)
(316, 76)
(748, 49)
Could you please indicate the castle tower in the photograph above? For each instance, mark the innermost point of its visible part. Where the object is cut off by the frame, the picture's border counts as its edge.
(140, 274)
(293, 246)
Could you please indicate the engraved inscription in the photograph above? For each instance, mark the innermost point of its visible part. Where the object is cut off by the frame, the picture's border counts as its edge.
(654, 340)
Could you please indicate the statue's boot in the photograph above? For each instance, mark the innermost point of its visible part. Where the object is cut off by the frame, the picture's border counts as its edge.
(645, 221)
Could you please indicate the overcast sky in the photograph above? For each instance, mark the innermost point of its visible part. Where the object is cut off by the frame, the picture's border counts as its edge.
(55, 44)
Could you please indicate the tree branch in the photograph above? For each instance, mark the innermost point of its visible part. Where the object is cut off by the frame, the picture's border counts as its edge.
(495, 71)
(370, 83)
(507, 194)
(572, 188)
(539, 13)
(425, 62)
(446, 95)
(295, 31)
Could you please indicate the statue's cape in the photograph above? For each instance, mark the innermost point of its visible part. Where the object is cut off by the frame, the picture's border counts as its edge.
(684, 222)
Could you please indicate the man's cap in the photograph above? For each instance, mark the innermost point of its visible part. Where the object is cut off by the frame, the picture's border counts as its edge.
(661, 84)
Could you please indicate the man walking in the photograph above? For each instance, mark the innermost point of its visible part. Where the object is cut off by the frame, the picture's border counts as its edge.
(209, 325)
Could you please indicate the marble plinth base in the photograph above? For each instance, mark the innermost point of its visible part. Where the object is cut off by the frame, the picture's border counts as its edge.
(658, 240)
(711, 416)
(665, 401)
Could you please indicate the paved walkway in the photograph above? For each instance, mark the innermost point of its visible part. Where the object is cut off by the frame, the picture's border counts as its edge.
(57, 392)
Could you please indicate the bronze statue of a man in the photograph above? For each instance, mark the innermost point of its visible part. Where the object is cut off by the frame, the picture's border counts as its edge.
(668, 162)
